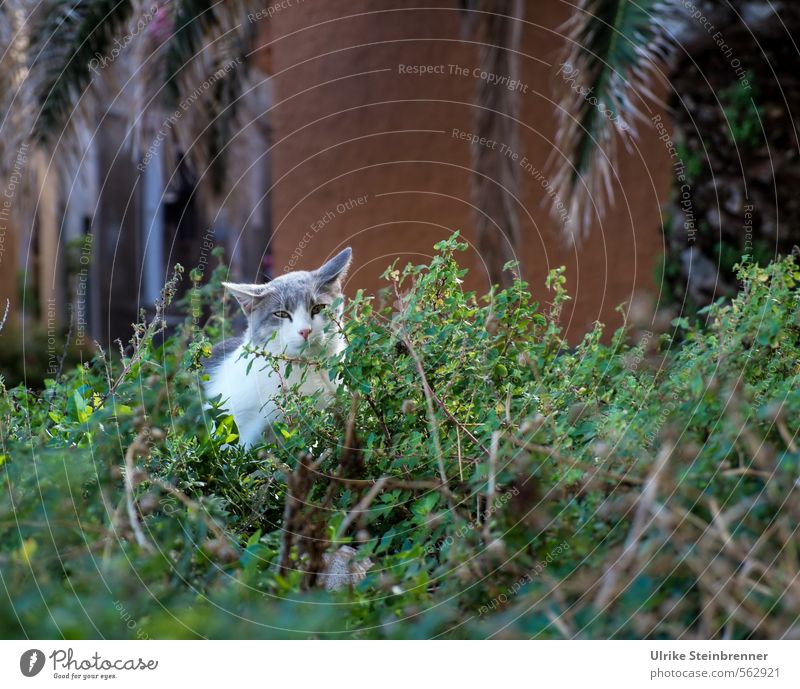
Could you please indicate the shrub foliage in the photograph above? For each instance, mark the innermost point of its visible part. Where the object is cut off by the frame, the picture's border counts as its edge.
(502, 483)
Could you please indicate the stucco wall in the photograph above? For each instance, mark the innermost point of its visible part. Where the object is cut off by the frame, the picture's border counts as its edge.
(348, 125)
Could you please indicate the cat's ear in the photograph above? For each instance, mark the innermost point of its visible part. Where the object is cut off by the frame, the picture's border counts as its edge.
(336, 269)
(247, 295)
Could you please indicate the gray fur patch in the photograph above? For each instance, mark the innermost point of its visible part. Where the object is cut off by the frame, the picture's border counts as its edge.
(221, 351)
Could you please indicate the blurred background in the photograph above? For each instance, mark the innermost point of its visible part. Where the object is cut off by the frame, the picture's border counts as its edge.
(647, 146)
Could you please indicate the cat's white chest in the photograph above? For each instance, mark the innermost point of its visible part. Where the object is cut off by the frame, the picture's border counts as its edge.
(254, 397)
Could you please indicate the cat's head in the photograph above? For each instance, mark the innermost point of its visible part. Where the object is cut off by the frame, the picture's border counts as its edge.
(293, 314)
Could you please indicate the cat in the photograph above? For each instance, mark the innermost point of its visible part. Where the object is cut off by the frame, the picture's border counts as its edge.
(293, 317)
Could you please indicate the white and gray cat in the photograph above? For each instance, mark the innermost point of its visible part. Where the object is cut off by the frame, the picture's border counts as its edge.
(293, 316)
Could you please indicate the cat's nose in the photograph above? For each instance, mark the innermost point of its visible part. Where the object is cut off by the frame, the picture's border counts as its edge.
(305, 332)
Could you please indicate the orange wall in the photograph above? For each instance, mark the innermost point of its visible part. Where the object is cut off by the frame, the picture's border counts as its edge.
(348, 125)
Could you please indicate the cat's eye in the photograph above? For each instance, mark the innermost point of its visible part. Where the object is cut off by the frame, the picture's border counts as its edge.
(282, 314)
(318, 308)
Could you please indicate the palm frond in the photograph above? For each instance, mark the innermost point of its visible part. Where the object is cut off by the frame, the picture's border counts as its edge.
(210, 43)
(194, 21)
(206, 34)
(616, 52)
(495, 179)
(15, 106)
(223, 121)
(66, 36)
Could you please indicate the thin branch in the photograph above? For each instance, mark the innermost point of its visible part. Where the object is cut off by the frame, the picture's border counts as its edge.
(431, 415)
(787, 437)
(390, 483)
(62, 359)
(362, 505)
(130, 501)
(645, 502)
(575, 463)
(491, 482)
(298, 485)
(5, 315)
(144, 332)
(111, 532)
(452, 418)
(458, 450)
(191, 504)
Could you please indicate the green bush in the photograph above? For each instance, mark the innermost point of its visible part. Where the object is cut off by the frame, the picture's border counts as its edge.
(502, 483)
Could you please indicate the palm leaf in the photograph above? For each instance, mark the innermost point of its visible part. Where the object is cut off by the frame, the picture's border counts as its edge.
(207, 34)
(66, 35)
(208, 39)
(497, 26)
(15, 106)
(223, 121)
(616, 51)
